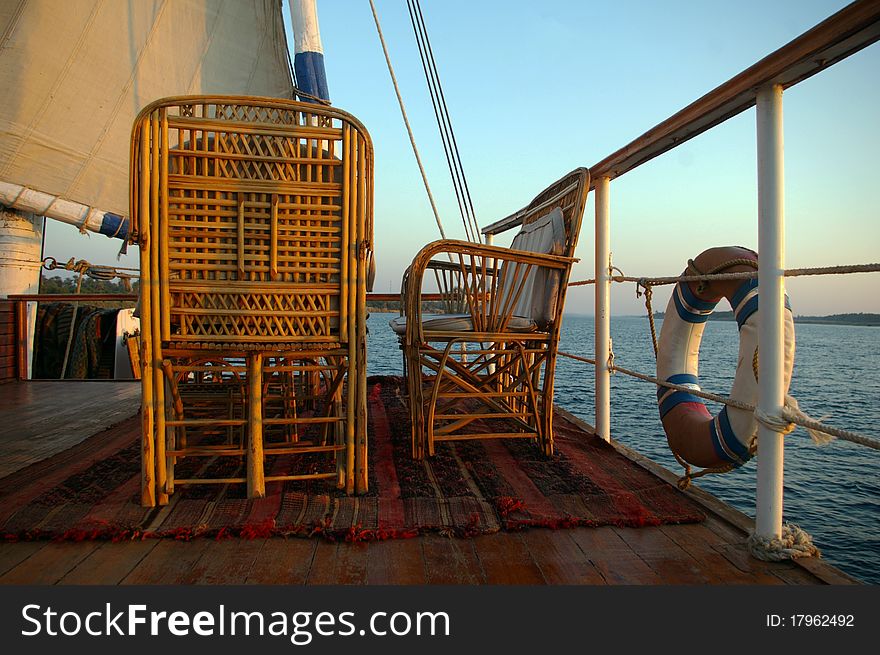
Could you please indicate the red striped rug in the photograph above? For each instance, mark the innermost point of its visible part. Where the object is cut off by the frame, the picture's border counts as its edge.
(91, 491)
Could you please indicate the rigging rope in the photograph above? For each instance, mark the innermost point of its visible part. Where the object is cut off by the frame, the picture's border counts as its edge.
(412, 139)
(444, 122)
(82, 267)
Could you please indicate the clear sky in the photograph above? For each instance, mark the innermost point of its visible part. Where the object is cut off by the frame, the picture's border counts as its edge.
(537, 88)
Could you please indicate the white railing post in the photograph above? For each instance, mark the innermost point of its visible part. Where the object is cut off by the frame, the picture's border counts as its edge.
(771, 285)
(603, 308)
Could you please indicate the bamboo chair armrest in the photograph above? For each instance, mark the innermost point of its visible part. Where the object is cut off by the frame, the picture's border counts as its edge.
(453, 247)
(462, 255)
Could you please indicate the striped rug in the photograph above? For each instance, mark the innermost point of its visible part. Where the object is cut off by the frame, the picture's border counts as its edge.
(91, 491)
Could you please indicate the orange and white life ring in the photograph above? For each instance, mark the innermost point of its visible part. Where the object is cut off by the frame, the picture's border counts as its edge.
(692, 432)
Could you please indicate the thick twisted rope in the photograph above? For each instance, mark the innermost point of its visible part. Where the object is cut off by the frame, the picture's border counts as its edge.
(791, 544)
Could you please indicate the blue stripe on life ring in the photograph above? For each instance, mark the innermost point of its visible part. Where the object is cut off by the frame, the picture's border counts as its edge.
(741, 292)
(675, 399)
(691, 299)
(667, 399)
(726, 444)
(690, 308)
(751, 305)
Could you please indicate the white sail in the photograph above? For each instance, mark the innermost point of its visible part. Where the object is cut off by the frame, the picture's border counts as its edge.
(75, 74)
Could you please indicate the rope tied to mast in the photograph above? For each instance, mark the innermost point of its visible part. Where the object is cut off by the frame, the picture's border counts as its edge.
(96, 272)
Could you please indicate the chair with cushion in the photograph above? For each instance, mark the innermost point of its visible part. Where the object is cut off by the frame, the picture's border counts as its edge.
(485, 370)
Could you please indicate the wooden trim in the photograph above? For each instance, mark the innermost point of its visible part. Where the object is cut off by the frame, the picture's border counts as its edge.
(76, 297)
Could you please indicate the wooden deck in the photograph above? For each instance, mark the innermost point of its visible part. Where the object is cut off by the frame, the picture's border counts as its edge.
(40, 418)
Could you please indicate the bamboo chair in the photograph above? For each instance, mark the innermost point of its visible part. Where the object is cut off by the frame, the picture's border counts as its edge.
(254, 220)
(486, 370)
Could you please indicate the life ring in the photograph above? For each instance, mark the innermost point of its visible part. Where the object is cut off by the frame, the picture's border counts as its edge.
(691, 431)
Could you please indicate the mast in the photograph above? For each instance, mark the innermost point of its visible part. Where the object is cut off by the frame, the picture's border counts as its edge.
(308, 61)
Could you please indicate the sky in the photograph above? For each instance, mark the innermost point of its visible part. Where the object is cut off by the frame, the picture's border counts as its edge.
(535, 89)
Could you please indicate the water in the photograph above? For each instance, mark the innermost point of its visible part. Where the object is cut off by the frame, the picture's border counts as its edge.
(832, 492)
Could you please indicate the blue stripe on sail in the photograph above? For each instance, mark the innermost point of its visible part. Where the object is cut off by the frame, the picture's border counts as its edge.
(684, 313)
(742, 292)
(676, 398)
(114, 225)
(310, 76)
(691, 299)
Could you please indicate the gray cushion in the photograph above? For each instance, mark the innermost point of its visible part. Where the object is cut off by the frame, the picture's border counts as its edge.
(544, 236)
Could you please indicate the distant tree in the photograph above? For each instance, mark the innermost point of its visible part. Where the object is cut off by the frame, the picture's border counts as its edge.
(67, 284)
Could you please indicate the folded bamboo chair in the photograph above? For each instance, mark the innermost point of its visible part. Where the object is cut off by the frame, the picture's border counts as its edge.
(254, 219)
(486, 370)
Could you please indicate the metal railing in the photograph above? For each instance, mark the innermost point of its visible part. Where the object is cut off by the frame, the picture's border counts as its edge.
(761, 85)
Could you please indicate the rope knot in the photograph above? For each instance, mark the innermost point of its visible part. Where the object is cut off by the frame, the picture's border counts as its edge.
(791, 544)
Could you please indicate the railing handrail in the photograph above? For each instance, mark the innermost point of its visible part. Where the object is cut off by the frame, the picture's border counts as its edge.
(74, 297)
(851, 29)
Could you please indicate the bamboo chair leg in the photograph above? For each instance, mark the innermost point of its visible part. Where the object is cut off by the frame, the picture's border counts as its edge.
(256, 484)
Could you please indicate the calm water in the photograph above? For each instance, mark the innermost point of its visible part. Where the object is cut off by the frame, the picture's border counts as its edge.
(833, 491)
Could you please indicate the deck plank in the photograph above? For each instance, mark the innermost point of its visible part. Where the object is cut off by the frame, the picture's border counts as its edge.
(49, 564)
(560, 559)
(396, 562)
(741, 559)
(450, 561)
(507, 560)
(671, 563)
(110, 563)
(13, 554)
(613, 558)
(344, 564)
(699, 541)
(230, 562)
(170, 562)
(283, 561)
(37, 426)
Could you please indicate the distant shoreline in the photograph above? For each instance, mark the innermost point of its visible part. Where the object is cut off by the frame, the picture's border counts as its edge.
(861, 319)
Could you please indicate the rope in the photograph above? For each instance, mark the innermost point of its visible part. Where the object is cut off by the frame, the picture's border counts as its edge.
(649, 293)
(730, 263)
(412, 139)
(791, 413)
(742, 275)
(444, 122)
(793, 543)
(72, 325)
(82, 267)
(577, 357)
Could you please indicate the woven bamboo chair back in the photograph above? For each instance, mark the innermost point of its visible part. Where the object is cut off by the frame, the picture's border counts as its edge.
(254, 209)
